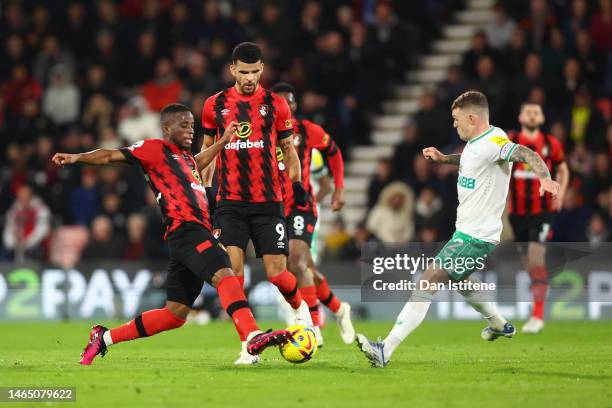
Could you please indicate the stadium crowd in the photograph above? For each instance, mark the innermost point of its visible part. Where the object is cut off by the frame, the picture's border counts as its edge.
(557, 54)
(76, 75)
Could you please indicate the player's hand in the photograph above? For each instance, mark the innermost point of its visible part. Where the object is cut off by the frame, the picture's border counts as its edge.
(433, 154)
(558, 202)
(301, 196)
(337, 200)
(61, 159)
(550, 186)
(229, 132)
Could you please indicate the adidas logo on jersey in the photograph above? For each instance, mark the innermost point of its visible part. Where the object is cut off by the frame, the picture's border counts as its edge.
(240, 144)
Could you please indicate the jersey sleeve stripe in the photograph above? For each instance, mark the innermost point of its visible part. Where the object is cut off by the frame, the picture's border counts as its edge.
(284, 134)
(129, 156)
(509, 154)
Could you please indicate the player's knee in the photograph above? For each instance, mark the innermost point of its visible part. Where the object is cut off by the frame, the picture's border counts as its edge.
(317, 276)
(297, 264)
(275, 264)
(179, 310)
(220, 274)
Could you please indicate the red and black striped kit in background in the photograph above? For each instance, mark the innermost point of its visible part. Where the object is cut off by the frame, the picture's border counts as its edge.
(524, 185)
(308, 136)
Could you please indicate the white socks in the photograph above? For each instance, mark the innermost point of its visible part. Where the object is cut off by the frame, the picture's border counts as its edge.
(411, 316)
(480, 301)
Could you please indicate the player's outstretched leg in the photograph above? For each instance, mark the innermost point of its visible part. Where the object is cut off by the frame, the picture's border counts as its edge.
(286, 282)
(147, 324)
(481, 302)
(411, 316)
(341, 310)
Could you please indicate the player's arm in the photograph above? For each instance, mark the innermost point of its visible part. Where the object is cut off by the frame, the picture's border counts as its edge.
(210, 150)
(434, 155)
(325, 187)
(325, 144)
(563, 176)
(523, 154)
(292, 161)
(99, 156)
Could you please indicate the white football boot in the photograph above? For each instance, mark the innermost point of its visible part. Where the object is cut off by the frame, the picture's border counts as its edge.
(246, 358)
(533, 326)
(318, 336)
(301, 315)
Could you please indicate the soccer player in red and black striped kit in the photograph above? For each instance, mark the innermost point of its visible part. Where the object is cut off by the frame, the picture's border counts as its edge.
(302, 219)
(196, 255)
(530, 213)
(249, 198)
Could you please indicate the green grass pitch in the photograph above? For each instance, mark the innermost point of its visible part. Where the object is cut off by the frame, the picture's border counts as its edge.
(441, 364)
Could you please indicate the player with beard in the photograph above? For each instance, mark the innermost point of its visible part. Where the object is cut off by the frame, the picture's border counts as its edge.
(531, 214)
(249, 203)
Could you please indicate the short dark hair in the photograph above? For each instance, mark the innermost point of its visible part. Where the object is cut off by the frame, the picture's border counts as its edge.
(527, 103)
(471, 99)
(172, 108)
(247, 52)
(283, 87)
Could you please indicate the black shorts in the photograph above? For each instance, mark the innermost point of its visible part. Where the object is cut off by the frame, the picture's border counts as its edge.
(301, 225)
(195, 256)
(531, 228)
(237, 222)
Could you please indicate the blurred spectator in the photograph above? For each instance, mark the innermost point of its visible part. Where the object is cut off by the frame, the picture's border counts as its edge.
(379, 181)
(578, 19)
(453, 86)
(515, 53)
(97, 113)
(586, 123)
(391, 219)
(27, 224)
(499, 30)
(308, 28)
(361, 237)
(20, 89)
(601, 26)
(421, 173)
(75, 31)
(51, 56)
(538, 23)
(598, 231)
(164, 89)
(199, 79)
(337, 240)
(13, 54)
(555, 54)
(111, 208)
(478, 48)
(84, 200)
(182, 29)
(103, 245)
(109, 139)
(108, 56)
(140, 67)
(590, 59)
(140, 122)
(136, 228)
(61, 99)
(428, 210)
(432, 120)
(405, 152)
(531, 77)
(491, 84)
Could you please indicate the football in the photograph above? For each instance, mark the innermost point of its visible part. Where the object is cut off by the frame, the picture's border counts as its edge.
(302, 345)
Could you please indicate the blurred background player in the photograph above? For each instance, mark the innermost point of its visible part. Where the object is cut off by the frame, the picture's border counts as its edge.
(249, 198)
(482, 186)
(531, 215)
(302, 219)
(195, 254)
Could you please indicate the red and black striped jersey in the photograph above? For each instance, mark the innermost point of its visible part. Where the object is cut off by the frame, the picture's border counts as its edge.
(307, 136)
(246, 167)
(173, 176)
(524, 194)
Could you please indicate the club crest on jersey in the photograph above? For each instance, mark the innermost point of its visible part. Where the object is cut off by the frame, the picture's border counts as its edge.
(196, 176)
(217, 233)
(244, 130)
(263, 110)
